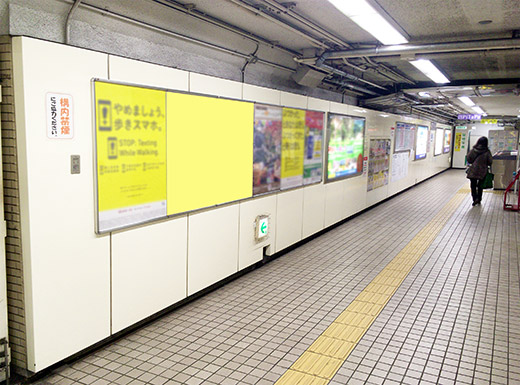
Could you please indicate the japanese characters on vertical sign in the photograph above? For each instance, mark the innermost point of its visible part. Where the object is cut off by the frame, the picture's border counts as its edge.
(59, 116)
(131, 154)
(313, 159)
(267, 144)
(458, 141)
(293, 142)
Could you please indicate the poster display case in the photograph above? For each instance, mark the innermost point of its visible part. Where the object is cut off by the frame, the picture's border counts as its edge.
(439, 141)
(421, 142)
(404, 137)
(378, 163)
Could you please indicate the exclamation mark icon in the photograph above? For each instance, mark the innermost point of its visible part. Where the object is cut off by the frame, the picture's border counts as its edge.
(105, 115)
(112, 147)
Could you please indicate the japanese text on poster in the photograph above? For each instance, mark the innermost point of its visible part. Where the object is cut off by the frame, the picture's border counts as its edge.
(399, 166)
(131, 154)
(378, 163)
(404, 137)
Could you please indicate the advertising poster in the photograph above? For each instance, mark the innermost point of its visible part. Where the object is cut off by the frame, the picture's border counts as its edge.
(378, 163)
(267, 148)
(502, 140)
(447, 141)
(313, 160)
(293, 147)
(439, 141)
(404, 137)
(399, 166)
(130, 154)
(421, 144)
(345, 146)
(458, 141)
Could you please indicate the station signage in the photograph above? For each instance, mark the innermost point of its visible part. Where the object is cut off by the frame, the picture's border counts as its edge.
(469, 117)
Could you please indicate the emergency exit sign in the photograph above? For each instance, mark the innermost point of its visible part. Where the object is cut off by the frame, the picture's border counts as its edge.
(262, 227)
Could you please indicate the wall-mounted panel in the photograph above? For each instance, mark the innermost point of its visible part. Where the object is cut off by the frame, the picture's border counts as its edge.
(148, 270)
(313, 209)
(209, 85)
(251, 250)
(335, 202)
(66, 266)
(340, 108)
(289, 218)
(318, 104)
(289, 99)
(212, 246)
(261, 94)
(134, 71)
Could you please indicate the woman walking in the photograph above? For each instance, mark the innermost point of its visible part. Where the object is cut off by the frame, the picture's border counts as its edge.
(479, 159)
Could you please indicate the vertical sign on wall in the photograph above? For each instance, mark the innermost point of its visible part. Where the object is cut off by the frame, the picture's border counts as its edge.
(131, 154)
(267, 144)
(293, 143)
(313, 160)
(59, 116)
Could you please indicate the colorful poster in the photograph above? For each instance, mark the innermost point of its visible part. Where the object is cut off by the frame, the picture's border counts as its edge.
(458, 141)
(447, 140)
(439, 141)
(404, 137)
(313, 160)
(421, 144)
(378, 163)
(267, 148)
(345, 146)
(502, 140)
(293, 147)
(130, 156)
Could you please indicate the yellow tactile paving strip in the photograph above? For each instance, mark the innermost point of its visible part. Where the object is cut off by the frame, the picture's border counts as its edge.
(326, 355)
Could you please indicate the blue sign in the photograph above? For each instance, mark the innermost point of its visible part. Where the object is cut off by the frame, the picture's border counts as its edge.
(469, 117)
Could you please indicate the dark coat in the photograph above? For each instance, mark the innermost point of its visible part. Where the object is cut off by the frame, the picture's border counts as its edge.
(479, 158)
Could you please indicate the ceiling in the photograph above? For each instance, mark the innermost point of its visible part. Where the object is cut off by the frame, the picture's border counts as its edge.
(476, 44)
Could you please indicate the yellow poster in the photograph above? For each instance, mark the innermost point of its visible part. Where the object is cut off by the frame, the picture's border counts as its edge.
(210, 151)
(458, 141)
(293, 147)
(131, 154)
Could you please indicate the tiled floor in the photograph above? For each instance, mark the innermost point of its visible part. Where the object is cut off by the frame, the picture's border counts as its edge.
(455, 319)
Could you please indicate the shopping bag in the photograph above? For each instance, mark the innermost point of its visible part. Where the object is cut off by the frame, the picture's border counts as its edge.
(488, 180)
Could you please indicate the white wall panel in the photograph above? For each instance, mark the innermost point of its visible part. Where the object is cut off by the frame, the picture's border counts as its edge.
(318, 104)
(356, 195)
(291, 100)
(148, 270)
(212, 246)
(335, 202)
(340, 108)
(251, 251)
(133, 71)
(209, 85)
(66, 266)
(261, 94)
(313, 209)
(289, 217)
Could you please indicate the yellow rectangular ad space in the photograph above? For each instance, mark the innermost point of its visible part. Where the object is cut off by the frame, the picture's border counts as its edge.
(131, 152)
(293, 142)
(210, 151)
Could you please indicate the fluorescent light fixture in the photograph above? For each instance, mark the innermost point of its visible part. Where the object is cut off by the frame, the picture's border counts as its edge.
(384, 115)
(467, 101)
(360, 110)
(364, 15)
(429, 69)
(478, 110)
(424, 94)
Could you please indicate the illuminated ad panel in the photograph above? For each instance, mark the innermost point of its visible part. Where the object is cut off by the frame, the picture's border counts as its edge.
(421, 143)
(293, 147)
(439, 141)
(313, 159)
(267, 148)
(210, 151)
(345, 146)
(130, 155)
(447, 140)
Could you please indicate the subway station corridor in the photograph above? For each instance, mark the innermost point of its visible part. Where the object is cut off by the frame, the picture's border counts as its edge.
(421, 289)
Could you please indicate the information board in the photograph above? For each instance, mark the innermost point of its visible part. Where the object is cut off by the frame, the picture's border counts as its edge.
(345, 146)
(503, 140)
(421, 142)
(130, 155)
(404, 137)
(399, 168)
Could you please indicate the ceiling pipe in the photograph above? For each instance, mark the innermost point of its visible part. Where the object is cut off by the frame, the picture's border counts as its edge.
(412, 49)
(164, 31)
(317, 43)
(349, 76)
(69, 17)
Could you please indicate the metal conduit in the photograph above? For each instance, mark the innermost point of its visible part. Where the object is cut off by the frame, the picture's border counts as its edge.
(181, 36)
(69, 17)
